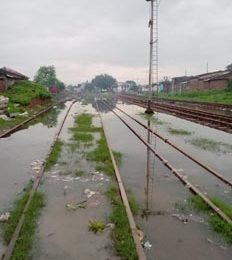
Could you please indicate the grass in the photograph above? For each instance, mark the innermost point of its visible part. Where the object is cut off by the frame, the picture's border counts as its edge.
(211, 145)
(215, 96)
(23, 92)
(217, 224)
(24, 243)
(15, 214)
(152, 118)
(122, 234)
(25, 239)
(55, 154)
(101, 156)
(175, 131)
(83, 123)
(96, 226)
(82, 130)
(133, 203)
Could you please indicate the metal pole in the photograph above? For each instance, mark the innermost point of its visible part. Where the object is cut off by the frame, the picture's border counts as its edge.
(151, 26)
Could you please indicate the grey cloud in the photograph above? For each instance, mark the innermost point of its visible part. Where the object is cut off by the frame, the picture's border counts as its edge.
(81, 37)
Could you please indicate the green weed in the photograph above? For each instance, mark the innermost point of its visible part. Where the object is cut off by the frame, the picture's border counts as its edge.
(175, 131)
(55, 154)
(96, 226)
(122, 234)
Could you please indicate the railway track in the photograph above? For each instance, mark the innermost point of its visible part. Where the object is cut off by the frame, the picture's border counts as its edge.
(213, 120)
(173, 170)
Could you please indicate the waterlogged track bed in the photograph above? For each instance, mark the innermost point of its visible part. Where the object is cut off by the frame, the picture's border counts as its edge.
(174, 231)
(20, 239)
(210, 119)
(65, 184)
(20, 125)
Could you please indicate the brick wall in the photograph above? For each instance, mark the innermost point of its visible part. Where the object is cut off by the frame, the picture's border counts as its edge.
(2, 85)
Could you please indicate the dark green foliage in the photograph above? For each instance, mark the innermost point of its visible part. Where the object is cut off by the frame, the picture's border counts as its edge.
(104, 81)
(55, 154)
(46, 76)
(122, 234)
(23, 92)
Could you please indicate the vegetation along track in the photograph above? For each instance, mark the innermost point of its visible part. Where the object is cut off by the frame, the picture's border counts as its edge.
(10, 248)
(217, 121)
(203, 165)
(174, 171)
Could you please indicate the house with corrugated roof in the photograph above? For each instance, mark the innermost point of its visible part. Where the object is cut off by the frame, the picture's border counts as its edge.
(207, 81)
(8, 77)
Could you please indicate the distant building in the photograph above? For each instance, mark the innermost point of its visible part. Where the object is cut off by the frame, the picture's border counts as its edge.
(207, 81)
(8, 77)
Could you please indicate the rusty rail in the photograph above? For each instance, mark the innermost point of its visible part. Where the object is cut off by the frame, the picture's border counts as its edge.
(10, 248)
(220, 122)
(197, 161)
(133, 227)
(189, 185)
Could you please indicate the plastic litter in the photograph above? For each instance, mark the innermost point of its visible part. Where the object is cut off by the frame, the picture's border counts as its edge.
(181, 217)
(75, 206)
(89, 193)
(147, 245)
(5, 217)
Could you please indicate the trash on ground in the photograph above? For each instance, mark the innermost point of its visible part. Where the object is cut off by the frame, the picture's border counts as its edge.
(89, 193)
(4, 217)
(96, 226)
(147, 245)
(183, 218)
(110, 226)
(75, 206)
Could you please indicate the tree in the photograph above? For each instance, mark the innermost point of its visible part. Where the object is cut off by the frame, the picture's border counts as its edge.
(132, 85)
(46, 76)
(104, 81)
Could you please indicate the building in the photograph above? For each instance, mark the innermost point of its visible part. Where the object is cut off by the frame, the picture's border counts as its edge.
(8, 77)
(208, 81)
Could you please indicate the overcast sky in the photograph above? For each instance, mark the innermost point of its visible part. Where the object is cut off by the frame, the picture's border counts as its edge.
(83, 38)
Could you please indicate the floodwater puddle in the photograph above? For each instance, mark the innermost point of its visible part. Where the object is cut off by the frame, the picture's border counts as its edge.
(173, 233)
(75, 194)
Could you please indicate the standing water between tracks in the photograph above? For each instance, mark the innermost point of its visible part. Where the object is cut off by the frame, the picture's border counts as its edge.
(170, 236)
(21, 149)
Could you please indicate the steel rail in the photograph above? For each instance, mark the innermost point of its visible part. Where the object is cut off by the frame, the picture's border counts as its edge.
(188, 184)
(193, 111)
(165, 140)
(215, 106)
(133, 226)
(10, 247)
(204, 120)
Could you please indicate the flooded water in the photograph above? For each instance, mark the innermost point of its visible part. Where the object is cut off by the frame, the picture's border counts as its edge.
(63, 227)
(170, 236)
(21, 149)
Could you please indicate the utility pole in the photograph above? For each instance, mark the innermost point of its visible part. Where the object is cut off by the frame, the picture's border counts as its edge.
(153, 78)
(153, 62)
